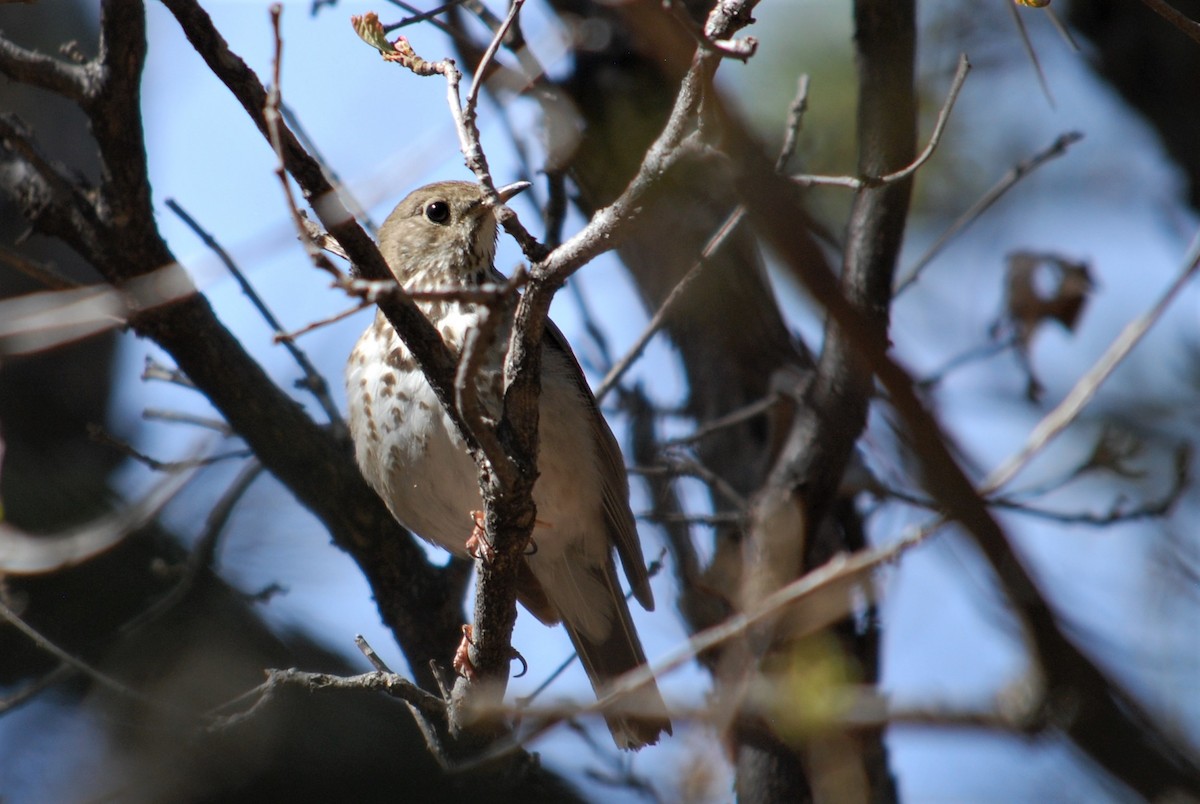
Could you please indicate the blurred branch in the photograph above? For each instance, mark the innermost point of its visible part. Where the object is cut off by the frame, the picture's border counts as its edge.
(179, 417)
(1030, 51)
(1168, 12)
(857, 183)
(79, 665)
(45, 274)
(313, 381)
(660, 315)
(1085, 389)
(1128, 743)
(72, 81)
(113, 227)
(976, 210)
(24, 553)
(100, 435)
(153, 370)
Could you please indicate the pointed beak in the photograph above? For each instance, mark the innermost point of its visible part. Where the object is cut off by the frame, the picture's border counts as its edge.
(509, 190)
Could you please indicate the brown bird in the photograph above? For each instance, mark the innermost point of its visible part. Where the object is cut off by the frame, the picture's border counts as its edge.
(443, 236)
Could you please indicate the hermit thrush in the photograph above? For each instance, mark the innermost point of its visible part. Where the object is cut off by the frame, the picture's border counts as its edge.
(440, 237)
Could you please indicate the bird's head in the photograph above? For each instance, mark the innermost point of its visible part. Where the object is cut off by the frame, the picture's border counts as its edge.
(443, 235)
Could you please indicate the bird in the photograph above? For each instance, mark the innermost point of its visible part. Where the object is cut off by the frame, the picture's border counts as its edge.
(442, 237)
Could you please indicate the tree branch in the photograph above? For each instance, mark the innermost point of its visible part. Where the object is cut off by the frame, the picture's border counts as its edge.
(114, 230)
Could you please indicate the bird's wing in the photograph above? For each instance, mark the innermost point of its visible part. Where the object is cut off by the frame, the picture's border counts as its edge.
(618, 517)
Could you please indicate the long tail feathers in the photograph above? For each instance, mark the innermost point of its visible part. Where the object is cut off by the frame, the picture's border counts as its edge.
(640, 716)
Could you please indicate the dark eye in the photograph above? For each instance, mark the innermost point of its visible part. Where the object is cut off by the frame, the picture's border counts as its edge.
(438, 212)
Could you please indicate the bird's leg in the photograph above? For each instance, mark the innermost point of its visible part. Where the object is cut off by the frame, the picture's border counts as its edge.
(477, 544)
(462, 657)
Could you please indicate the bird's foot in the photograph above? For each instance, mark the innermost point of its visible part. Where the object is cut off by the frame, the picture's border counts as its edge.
(462, 657)
(477, 545)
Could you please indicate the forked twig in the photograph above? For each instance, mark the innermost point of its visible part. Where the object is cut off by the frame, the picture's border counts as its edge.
(935, 138)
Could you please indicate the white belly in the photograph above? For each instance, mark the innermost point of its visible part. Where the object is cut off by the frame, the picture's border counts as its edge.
(411, 454)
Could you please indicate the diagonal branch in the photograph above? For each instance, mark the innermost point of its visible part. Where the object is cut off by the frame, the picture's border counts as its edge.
(418, 334)
(113, 229)
(72, 81)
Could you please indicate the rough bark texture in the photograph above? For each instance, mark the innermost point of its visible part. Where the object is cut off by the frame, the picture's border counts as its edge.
(728, 331)
(210, 645)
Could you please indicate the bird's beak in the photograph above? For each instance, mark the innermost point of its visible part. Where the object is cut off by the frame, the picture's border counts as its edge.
(509, 190)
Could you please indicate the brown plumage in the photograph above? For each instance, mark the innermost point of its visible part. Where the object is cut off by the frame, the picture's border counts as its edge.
(444, 236)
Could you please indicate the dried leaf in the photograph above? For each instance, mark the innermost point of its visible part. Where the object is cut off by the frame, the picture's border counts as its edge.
(1045, 286)
(1041, 287)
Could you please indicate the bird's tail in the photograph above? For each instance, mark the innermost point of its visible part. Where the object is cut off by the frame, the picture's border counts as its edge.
(638, 717)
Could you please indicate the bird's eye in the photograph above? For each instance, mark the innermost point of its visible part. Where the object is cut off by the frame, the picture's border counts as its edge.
(438, 212)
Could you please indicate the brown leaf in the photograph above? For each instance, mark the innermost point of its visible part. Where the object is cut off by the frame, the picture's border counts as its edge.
(1044, 286)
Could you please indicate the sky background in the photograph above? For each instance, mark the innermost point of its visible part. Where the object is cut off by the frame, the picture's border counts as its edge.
(1113, 201)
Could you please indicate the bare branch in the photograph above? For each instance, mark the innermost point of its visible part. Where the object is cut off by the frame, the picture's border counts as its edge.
(100, 435)
(46, 274)
(791, 133)
(153, 370)
(1006, 183)
(79, 665)
(1068, 410)
(24, 553)
(660, 315)
(388, 683)
(1172, 15)
(72, 81)
(960, 76)
(283, 337)
(178, 417)
(1031, 52)
(705, 429)
(313, 381)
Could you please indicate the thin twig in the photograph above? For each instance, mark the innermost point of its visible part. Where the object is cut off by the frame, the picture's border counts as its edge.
(1175, 17)
(45, 274)
(971, 355)
(179, 417)
(273, 118)
(660, 315)
(1006, 183)
(1031, 52)
(423, 16)
(490, 53)
(313, 381)
(356, 209)
(67, 658)
(859, 182)
(734, 417)
(1068, 410)
(323, 322)
(32, 689)
(795, 118)
(675, 465)
(365, 648)
(101, 436)
(153, 370)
